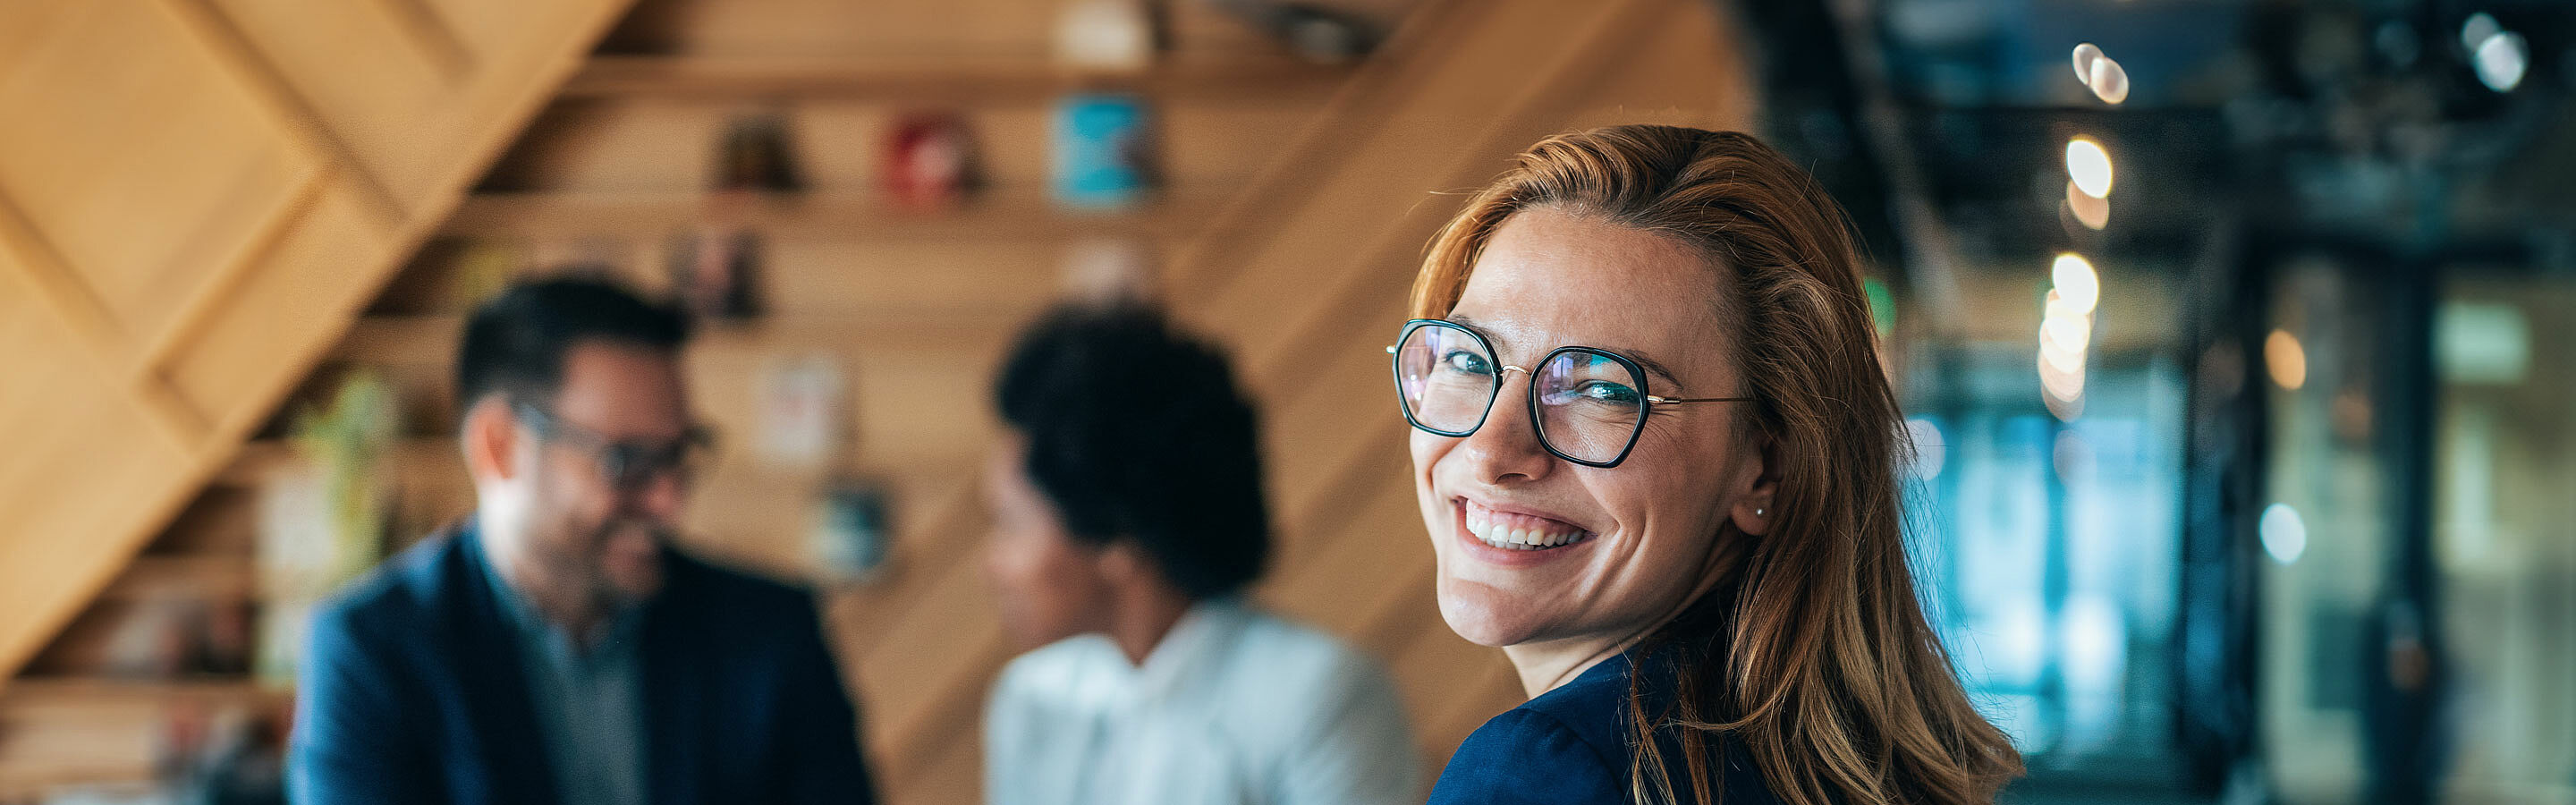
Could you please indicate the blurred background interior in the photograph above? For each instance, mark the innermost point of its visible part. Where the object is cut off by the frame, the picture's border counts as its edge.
(2238, 355)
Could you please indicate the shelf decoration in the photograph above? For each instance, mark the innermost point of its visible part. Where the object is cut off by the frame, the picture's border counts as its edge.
(931, 162)
(175, 636)
(1109, 269)
(1103, 151)
(483, 269)
(1106, 36)
(853, 530)
(1318, 33)
(804, 407)
(149, 642)
(323, 523)
(715, 272)
(221, 754)
(715, 267)
(757, 156)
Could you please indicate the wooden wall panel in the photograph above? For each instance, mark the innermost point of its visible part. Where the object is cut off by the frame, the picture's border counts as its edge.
(185, 224)
(76, 477)
(301, 299)
(381, 82)
(206, 168)
(24, 325)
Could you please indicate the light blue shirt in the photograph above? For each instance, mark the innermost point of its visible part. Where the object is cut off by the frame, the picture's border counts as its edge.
(590, 703)
(1233, 707)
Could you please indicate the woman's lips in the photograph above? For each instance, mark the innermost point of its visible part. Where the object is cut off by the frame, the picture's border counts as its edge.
(1518, 531)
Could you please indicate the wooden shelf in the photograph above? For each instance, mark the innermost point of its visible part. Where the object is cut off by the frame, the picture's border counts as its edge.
(262, 459)
(951, 78)
(431, 337)
(100, 731)
(201, 577)
(50, 691)
(428, 466)
(76, 688)
(995, 214)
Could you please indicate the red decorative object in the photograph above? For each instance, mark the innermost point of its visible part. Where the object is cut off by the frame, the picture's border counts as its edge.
(931, 161)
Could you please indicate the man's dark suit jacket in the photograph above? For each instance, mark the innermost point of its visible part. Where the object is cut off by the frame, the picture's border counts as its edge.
(413, 692)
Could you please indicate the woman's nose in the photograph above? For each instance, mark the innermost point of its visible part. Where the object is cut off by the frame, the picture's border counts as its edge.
(1507, 444)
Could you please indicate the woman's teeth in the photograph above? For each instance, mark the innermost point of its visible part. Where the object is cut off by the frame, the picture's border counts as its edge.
(1520, 532)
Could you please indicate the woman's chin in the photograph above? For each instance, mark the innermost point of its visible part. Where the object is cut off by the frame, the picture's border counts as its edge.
(1484, 616)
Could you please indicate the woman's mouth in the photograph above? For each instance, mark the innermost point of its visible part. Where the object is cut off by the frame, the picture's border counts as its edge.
(1516, 531)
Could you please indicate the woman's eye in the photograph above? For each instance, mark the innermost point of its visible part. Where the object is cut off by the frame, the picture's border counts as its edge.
(1603, 391)
(1464, 361)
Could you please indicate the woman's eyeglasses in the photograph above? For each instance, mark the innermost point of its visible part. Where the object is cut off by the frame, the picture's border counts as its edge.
(1587, 405)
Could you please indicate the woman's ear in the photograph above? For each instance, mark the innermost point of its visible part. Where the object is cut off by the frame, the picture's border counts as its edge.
(1755, 500)
(1121, 563)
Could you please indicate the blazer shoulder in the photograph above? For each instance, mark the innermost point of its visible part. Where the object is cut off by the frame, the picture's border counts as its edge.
(1596, 709)
(1529, 755)
(1592, 707)
(395, 596)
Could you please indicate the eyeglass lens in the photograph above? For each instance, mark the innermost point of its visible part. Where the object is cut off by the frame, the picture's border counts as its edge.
(1589, 403)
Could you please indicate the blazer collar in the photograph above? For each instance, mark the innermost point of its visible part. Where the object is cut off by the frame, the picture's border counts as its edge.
(676, 677)
(486, 649)
(674, 670)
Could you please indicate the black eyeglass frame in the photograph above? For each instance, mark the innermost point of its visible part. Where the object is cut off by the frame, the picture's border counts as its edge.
(1538, 425)
(626, 465)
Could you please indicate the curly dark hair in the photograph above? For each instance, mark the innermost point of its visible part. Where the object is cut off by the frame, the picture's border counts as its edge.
(1137, 431)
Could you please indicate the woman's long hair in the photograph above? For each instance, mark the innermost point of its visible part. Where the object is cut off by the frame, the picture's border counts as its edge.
(1814, 654)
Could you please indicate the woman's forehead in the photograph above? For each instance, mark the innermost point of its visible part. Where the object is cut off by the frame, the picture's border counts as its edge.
(1548, 278)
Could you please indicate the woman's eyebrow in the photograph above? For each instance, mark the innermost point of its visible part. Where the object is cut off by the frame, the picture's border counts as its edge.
(1651, 365)
(1643, 360)
(1472, 326)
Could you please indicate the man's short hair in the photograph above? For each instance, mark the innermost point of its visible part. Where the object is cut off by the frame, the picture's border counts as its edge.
(515, 343)
(1137, 432)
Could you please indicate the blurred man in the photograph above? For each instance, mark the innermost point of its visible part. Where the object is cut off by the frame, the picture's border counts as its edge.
(1127, 518)
(554, 648)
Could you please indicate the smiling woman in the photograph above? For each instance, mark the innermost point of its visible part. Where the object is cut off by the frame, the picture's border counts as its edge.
(1680, 520)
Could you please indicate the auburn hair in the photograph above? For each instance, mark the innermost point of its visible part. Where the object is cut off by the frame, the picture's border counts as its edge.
(1814, 653)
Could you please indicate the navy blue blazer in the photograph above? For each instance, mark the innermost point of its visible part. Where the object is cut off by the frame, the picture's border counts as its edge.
(1569, 746)
(412, 692)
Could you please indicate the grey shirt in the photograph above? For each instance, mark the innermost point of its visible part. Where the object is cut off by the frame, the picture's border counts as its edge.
(589, 701)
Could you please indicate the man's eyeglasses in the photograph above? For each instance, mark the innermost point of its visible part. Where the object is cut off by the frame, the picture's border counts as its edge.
(626, 465)
(1587, 405)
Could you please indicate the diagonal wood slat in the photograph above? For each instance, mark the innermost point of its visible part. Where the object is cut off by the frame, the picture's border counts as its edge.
(195, 278)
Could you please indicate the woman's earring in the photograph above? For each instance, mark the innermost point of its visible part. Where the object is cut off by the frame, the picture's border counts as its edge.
(1757, 512)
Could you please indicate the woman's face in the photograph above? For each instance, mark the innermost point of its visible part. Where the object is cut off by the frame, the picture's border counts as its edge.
(1047, 587)
(1642, 533)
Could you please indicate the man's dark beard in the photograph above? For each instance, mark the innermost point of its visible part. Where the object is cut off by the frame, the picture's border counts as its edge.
(603, 591)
